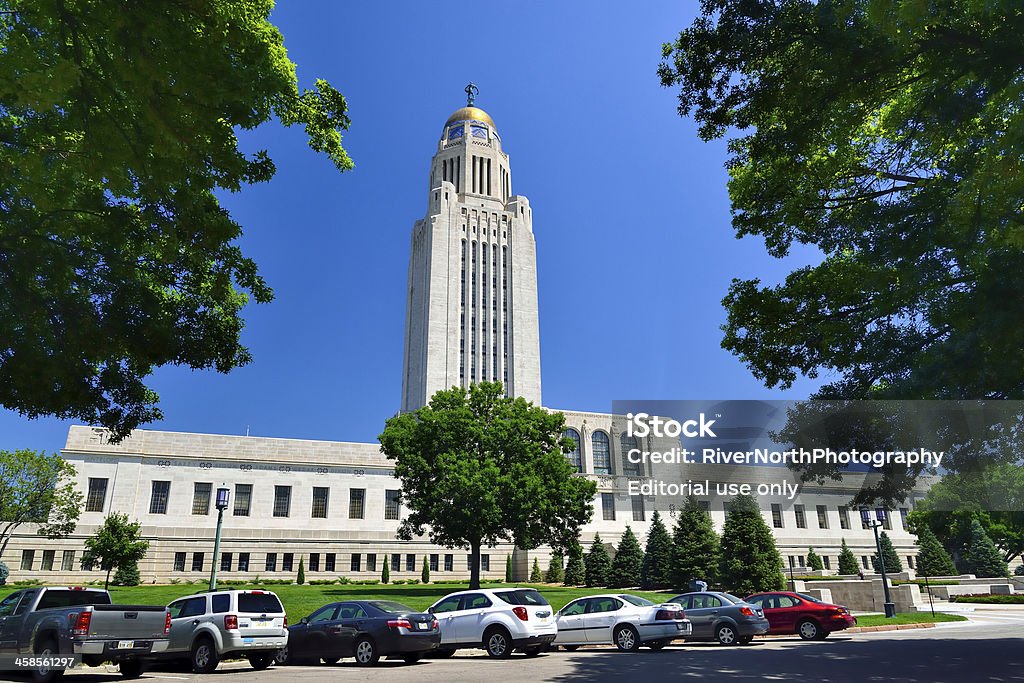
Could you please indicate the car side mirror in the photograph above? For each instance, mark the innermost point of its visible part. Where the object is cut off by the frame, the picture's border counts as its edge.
(430, 610)
(304, 620)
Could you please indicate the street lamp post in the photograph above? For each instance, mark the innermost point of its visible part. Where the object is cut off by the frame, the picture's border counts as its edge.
(865, 516)
(222, 504)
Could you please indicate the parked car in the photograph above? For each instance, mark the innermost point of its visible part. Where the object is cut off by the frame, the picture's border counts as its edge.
(209, 627)
(364, 629)
(626, 620)
(808, 617)
(722, 617)
(496, 620)
(53, 621)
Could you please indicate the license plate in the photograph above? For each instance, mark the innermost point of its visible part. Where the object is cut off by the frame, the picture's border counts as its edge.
(248, 640)
(422, 626)
(125, 644)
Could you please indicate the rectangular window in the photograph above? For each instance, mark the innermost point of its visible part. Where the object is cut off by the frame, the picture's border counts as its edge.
(197, 562)
(825, 561)
(410, 563)
(225, 562)
(158, 497)
(243, 500)
(243, 562)
(844, 517)
(330, 561)
(887, 522)
(271, 564)
(801, 518)
(47, 565)
(903, 518)
(801, 558)
(371, 562)
(608, 506)
(356, 498)
(822, 517)
(320, 497)
(282, 500)
(179, 562)
(67, 563)
(97, 495)
(314, 562)
(355, 564)
(638, 508)
(792, 561)
(910, 561)
(391, 504)
(396, 562)
(727, 507)
(485, 563)
(864, 561)
(287, 562)
(449, 562)
(776, 515)
(705, 505)
(433, 562)
(201, 498)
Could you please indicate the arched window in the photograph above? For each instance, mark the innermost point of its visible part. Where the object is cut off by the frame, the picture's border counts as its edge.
(574, 456)
(602, 457)
(628, 443)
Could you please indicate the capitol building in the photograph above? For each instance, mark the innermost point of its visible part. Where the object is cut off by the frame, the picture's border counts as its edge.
(471, 315)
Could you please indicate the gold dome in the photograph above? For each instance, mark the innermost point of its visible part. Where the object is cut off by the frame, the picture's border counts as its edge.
(470, 114)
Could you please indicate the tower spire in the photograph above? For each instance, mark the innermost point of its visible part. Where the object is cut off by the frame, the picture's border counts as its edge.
(471, 92)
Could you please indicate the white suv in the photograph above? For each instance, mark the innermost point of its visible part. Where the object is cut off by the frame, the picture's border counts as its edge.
(498, 620)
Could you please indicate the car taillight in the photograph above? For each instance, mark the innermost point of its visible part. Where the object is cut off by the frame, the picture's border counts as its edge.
(434, 625)
(286, 621)
(746, 611)
(521, 613)
(167, 623)
(669, 614)
(231, 622)
(399, 623)
(82, 621)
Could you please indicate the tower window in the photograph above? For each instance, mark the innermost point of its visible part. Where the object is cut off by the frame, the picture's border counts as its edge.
(602, 459)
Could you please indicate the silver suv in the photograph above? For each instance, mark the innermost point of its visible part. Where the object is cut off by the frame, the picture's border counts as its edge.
(498, 620)
(209, 627)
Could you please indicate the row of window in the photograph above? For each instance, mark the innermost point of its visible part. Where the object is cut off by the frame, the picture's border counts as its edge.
(358, 562)
(865, 560)
(800, 516)
(160, 494)
(601, 449)
(49, 557)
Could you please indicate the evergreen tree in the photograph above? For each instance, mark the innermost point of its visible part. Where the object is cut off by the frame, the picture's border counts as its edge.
(575, 572)
(656, 572)
(628, 562)
(750, 561)
(508, 569)
(425, 573)
(980, 555)
(127, 575)
(301, 578)
(695, 546)
(847, 561)
(385, 572)
(555, 573)
(597, 563)
(932, 559)
(892, 560)
(814, 561)
(536, 575)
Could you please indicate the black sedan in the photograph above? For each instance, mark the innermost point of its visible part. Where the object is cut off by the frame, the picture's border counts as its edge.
(364, 629)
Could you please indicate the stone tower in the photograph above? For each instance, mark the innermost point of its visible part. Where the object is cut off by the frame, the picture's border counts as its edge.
(471, 307)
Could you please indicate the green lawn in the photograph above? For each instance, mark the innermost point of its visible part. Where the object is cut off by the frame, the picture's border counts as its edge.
(300, 601)
(908, 618)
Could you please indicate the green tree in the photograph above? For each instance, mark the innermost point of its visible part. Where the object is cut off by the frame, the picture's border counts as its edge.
(385, 572)
(37, 488)
(847, 561)
(980, 555)
(127, 575)
(628, 562)
(4, 573)
(656, 572)
(301, 578)
(133, 263)
(885, 136)
(814, 561)
(555, 573)
(508, 569)
(695, 546)
(575, 571)
(932, 558)
(478, 468)
(597, 563)
(425, 572)
(117, 544)
(750, 560)
(892, 560)
(536, 575)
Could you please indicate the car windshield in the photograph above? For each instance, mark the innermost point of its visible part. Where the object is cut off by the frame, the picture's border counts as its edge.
(523, 596)
(639, 602)
(259, 603)
(732, 598)
(809, 598)
(391, 607)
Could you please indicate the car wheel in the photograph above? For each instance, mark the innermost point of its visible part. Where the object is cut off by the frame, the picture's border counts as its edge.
(823, 635)
(657, 644)
(533, 651)
(47, 648)
(745, 640)
(131, 668)
(261, 660)
(204, 656)
(330, 661)
(808, 630)
(281, 657)
(497, 642)
(726, 634)
(413, 658)
(366, 652)
(626, 638)
(570, 648)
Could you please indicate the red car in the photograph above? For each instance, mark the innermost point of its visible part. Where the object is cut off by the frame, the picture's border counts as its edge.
(798, 613)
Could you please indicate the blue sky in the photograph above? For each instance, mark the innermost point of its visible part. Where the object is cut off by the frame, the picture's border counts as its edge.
(631, 218)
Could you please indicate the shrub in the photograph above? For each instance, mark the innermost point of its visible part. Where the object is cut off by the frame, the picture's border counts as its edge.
(128, 575)
(301, 578)
(385, 572)
(425, 573)
(1019, 571)
(555, 572)
(535, 574)
(814, 560)
(575, 573)
(4, 573)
